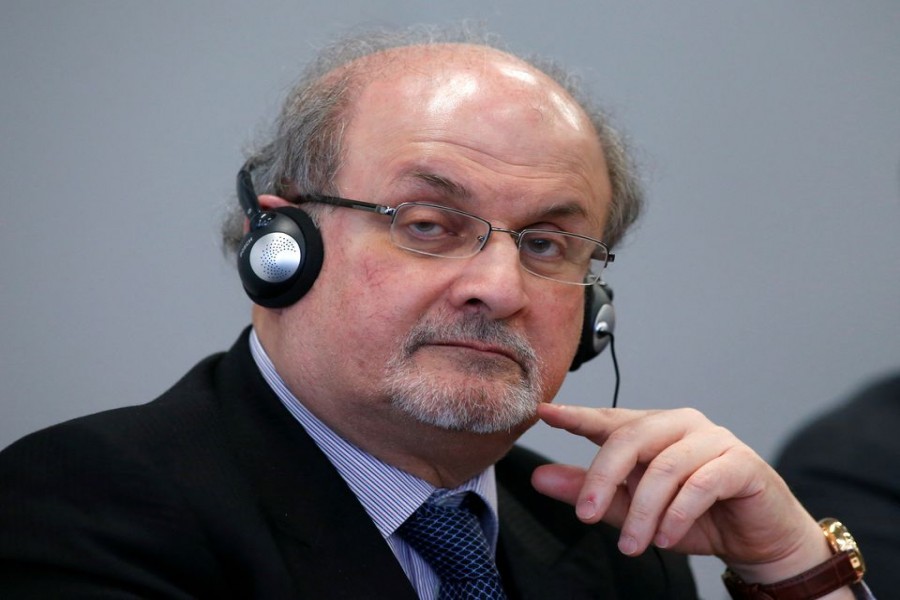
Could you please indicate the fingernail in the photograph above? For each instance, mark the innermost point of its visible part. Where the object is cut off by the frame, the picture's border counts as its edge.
(661, 540)
(627, 545)
(586, 509)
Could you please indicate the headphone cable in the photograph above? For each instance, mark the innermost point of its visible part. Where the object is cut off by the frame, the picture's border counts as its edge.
(612, 351)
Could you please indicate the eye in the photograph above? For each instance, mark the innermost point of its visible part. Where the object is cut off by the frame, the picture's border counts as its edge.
(427, 223)
(544, 245)
(426, 228)
(436, 230)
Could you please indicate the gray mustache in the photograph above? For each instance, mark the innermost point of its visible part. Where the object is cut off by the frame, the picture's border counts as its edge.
(472, 328)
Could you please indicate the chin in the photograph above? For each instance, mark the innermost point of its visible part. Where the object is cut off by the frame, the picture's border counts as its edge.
(470, 405)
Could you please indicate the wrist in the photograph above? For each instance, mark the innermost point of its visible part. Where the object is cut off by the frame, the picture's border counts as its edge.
(828, 579)
(810, 548)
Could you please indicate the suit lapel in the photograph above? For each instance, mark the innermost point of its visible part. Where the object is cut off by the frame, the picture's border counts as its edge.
(546, 552)
(535, 563)
(328, 541)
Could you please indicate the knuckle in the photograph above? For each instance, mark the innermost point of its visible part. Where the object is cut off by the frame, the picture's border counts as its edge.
(677, 518)
(606, 412)
(641, 511)
(746, 453)
(663, 466)
(691, 414)
(702, 483)
(723, 432)
(599, 479)
(623, 436)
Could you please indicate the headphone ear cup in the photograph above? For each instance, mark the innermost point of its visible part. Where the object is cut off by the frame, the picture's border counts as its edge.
(280, 257)
(599, 323)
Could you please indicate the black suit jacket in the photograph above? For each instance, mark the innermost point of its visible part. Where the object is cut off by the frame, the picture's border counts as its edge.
(214, 491)
(846, 464)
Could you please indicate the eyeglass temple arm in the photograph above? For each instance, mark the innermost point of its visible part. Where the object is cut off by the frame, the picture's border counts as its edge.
(250, 204)
(610, 257)
(345, 203)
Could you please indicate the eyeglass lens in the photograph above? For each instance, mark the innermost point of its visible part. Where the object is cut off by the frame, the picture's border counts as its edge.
(441, 231)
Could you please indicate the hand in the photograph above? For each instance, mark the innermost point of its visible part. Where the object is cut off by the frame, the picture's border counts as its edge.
(676, 480)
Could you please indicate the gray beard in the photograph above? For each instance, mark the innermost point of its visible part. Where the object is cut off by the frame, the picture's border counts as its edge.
(490, 400)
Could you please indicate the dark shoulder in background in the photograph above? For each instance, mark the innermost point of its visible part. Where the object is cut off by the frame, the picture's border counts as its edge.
(846, 464)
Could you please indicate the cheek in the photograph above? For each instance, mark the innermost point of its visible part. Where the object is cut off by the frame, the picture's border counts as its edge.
(385, 298)
(381, 288)
(563, 322)
(560, 332)
(355, 272)
(377, 274)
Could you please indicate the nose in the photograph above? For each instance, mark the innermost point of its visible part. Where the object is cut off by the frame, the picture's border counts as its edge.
(493, 280)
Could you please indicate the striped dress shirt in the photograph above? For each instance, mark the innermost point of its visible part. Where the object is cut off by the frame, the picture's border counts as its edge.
(388, 494)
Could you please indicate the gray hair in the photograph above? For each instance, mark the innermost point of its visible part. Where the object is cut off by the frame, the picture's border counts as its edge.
(303, 152)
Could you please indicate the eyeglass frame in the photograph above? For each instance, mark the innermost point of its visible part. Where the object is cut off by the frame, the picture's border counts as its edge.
(391, 211)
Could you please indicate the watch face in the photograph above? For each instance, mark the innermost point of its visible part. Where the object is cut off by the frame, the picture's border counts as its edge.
(840, 540)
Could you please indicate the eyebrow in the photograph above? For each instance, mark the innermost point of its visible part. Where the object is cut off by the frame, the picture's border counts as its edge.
(458, 191)
(442, 184)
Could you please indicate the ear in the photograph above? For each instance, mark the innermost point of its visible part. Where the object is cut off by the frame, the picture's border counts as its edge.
(270, 202)
(267, 203)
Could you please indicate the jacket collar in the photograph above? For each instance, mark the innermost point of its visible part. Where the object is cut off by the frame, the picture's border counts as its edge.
(327, 540)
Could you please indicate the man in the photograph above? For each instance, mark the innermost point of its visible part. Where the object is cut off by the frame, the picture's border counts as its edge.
(432, 308)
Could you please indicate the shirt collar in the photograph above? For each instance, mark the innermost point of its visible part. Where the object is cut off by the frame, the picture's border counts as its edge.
(388, 494)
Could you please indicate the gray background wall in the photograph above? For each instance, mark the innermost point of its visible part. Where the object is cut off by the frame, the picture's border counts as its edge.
(762, 286)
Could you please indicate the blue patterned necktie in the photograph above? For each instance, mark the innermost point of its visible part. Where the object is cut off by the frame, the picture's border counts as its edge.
(451, 539)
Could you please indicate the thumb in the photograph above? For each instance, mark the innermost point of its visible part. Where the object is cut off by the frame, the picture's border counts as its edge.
(564, 483)
(560, 482)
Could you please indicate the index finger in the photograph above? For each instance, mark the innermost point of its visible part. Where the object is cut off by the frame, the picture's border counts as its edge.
(596, 424)
(629, 439)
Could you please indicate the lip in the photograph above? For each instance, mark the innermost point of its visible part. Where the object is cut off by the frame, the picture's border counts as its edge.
(480, 347)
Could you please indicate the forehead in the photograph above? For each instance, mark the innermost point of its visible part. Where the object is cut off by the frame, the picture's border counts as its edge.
(442, 81)
(473, 111)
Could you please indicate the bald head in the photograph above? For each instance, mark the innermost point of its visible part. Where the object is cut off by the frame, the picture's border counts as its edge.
(304, 153)
(455, 71)
(475, 105)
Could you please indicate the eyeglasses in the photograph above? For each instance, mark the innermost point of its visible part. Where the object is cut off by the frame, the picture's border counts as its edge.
(435, 230)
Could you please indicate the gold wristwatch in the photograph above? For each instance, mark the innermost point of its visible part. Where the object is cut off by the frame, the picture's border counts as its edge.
(845, 567)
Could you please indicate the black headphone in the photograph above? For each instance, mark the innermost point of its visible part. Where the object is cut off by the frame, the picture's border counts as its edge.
(599, 323)
(281, 256)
